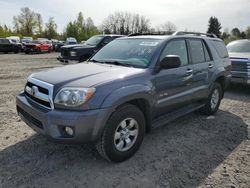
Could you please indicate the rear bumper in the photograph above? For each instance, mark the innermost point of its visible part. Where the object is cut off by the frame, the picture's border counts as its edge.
(87, 125)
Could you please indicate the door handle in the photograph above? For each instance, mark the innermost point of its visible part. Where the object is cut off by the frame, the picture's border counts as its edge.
(189, 71)
(210, 66)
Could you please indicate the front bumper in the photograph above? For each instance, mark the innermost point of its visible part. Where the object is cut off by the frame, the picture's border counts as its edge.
(87, 125)
(241, 80)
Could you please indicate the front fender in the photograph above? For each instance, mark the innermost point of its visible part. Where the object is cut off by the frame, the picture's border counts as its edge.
(128, 93)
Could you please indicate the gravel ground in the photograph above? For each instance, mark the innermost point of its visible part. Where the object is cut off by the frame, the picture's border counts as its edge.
(193, 151)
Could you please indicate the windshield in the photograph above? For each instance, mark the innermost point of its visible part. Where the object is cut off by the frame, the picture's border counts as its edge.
(129, 52)
(239, 46)
(93, 41)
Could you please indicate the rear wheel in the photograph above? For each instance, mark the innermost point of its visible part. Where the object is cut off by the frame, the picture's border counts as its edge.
(214, 100)
(123, 134)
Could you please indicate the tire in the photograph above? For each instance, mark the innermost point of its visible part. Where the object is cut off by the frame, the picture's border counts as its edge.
(49, 51)
(16, 50)
(108, 144)
(39, 51)
(213, 101)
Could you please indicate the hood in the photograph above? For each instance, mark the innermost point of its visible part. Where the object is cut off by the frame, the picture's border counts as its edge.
(85, 74)
(72, 46)
(239, 55)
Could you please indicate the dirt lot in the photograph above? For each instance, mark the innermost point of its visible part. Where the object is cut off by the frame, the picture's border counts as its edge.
(193, 151)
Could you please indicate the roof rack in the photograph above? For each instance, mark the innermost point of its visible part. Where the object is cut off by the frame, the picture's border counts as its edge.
(195, 33)
(150, 33)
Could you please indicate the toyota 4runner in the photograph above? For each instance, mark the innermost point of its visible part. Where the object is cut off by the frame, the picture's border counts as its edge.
(130, 86)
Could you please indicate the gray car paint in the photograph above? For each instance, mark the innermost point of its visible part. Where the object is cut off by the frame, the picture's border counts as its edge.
(163, 90)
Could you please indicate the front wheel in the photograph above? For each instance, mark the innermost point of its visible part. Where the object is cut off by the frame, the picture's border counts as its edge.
(123, 134)
(214, 100)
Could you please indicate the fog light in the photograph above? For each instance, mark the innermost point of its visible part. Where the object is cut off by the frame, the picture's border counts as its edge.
(69, 131)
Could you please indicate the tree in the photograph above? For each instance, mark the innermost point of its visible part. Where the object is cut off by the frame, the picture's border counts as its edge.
(214, 26)
(50, 29)
(39, 24)
(248, 32)
(125, 23)
(236, 33)
(5, 31)
(168, 27)
(26, 22)
(81, 29)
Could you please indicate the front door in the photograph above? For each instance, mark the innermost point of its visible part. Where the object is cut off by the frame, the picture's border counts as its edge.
(174, 86)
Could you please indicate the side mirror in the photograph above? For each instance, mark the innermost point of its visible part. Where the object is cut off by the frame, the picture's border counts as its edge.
(170, 62)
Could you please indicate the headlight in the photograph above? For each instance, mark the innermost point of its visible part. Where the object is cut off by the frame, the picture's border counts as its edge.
(72, 53)
(73, 97)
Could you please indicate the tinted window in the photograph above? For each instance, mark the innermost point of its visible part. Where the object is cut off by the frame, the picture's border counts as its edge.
(176, 47)
(197, 52)
(220, 48)
(107, 40)
(242, 46)
(207, 55)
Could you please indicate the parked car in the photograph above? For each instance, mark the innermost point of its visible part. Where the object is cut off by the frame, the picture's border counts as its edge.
(6, 46)
(37, 46)
(59, 45)
(70, 41)
(130, 86)
(84, 51)
(27, 39)
(239, 52)
(15, 39)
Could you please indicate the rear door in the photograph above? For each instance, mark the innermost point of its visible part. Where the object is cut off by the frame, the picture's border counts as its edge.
(174, 86)
(203, 66)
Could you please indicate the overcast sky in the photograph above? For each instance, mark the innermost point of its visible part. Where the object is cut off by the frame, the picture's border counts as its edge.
(185, 14)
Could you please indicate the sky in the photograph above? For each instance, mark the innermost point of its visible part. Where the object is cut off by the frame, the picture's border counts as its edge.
(192, 15)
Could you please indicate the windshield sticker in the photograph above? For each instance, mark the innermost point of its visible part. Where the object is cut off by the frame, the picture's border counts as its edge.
(149, 43)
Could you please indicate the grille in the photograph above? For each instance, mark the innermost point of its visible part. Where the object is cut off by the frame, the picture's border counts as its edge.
(30, 118)
(241, 66)
(39, 92)
(64, 52)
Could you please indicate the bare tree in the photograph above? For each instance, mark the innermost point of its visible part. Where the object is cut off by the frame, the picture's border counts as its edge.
(26, 22)
(168, 27)
(125, 23)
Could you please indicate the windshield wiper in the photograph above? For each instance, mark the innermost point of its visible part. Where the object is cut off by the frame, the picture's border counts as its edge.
(110, 62)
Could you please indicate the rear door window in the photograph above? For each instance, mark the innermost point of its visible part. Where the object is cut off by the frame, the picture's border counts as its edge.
(197, 52)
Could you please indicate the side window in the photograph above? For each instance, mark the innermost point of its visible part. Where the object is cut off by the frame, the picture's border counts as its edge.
(176, 47)
(207, 55)
(220, 48)
(196, 48)
(107, 40)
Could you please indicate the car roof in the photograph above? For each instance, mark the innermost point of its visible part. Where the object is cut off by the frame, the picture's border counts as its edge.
(162, 37)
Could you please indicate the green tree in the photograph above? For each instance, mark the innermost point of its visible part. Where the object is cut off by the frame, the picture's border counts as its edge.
(248, 32)
(236, 33)
(81, 29)
(50, 31)
(214, 26)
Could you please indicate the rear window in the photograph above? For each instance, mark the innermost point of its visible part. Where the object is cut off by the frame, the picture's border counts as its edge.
(220, 48)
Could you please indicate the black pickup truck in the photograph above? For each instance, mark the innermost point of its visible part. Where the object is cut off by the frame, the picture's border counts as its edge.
(6, 46)
(81, 52)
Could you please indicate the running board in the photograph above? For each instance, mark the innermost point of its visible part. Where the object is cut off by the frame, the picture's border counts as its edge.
(163, 120)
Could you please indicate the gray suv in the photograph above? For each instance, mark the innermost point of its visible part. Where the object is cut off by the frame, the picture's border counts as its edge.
(130, 86)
